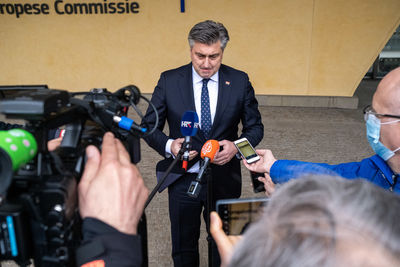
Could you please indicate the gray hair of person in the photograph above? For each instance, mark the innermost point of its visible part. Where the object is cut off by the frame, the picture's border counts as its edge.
(208, 32)
(324, 221)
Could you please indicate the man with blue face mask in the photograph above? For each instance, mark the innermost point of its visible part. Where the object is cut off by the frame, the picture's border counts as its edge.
(383, 133)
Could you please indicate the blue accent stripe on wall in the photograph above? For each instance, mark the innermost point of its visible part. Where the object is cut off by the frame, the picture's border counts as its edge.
(182, 6)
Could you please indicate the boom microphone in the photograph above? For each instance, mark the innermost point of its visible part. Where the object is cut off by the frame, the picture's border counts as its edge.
(208, 152)
(189, 128)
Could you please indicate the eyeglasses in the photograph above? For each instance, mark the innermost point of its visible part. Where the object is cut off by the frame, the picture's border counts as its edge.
(369, 110)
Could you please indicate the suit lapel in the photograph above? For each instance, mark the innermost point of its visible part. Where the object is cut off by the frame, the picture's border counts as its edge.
(224, 94)
(185, 84)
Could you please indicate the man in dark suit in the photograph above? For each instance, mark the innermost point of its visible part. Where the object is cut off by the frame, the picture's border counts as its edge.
(222, 97)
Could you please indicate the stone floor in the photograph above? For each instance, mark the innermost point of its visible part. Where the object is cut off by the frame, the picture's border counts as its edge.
(309, 134)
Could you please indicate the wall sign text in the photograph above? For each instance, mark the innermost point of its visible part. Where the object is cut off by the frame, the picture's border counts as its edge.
(61, 7)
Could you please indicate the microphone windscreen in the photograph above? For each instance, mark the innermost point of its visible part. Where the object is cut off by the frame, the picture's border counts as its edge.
(189, 123)
(209, 149)
(19, 145)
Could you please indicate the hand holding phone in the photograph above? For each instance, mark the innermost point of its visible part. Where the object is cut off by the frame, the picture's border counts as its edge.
(237, 214)
(246, 150)
(265, 163)
(257, 185)
(224, 243)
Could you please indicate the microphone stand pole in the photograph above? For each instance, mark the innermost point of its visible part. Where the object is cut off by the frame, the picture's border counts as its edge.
(209, 207)
(184, 147)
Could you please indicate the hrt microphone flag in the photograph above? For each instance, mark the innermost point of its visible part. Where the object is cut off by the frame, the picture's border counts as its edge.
(189, 128)
(208, 152)
(189, 123)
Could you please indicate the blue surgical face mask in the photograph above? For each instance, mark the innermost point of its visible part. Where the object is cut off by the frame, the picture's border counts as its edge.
(373, 134)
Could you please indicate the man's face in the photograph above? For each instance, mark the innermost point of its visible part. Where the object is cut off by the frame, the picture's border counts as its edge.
(206, 59)
(390, 130)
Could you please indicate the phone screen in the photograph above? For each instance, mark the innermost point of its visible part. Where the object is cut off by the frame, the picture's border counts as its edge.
(246, 149)
(237, 214)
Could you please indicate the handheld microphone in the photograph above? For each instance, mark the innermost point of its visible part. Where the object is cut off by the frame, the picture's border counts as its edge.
(189, 128)
(208, 152)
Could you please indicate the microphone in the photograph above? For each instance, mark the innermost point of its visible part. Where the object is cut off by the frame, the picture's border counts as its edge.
(189, 128)
(207, 153)
(17, 147)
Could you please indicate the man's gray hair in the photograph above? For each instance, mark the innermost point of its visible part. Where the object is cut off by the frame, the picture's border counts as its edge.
(324, 221)
(208, 32)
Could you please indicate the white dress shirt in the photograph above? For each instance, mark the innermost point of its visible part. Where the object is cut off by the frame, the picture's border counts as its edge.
(213, 96)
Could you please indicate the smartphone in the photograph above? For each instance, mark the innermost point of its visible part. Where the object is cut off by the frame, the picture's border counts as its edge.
(246, 150)
(257, 185)
(237, 214)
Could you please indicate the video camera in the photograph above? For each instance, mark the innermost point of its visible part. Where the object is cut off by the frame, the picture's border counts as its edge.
(39, 216)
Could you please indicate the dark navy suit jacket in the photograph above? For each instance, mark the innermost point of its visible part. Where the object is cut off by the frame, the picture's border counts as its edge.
(173, 96)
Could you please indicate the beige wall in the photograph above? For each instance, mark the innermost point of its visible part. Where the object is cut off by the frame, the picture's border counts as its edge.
(288, 47)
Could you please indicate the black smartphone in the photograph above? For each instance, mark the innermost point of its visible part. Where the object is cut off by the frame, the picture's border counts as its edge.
(237, 214)
(257, 185)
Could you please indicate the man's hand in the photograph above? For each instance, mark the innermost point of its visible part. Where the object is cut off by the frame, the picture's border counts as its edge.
(269, 186)
(228, 152)
(176, 146)
(224, 243)
(264, 164)
(111, 188)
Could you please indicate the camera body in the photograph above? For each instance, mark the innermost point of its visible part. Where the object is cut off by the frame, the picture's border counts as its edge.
(39, 217)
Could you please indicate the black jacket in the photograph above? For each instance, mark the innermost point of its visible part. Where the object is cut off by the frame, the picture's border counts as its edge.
(103, 242)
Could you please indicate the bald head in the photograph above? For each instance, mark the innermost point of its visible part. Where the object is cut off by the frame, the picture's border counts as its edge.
(386, 99)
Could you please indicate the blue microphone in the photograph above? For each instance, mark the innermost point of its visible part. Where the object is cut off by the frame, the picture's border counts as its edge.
(189, 128)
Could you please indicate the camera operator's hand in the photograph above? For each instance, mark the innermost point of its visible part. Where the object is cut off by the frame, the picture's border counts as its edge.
(54, 143)
(224, 243)
(111, 188)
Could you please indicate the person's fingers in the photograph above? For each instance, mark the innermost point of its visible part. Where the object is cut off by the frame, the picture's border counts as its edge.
(91, 167)
(176, 146)
(216, 157)
(54, 143)
(261, 152)
(180, 140)
(251, 167)
(216, 228)
(218, 161)
(248, 166)
(262, 179)
(268, 184)
(223, 242)
(123, 154)
(193, 154)
(108, 148)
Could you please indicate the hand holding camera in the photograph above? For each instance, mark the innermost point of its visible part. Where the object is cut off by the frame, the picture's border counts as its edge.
(111, 188)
